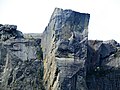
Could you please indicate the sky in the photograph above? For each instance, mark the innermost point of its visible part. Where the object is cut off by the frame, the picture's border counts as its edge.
(32, 16)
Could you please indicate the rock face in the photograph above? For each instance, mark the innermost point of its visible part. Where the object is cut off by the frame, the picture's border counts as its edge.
(103, 65)
(21, 66)
(71, 62)
(64, 44)
(61, 58)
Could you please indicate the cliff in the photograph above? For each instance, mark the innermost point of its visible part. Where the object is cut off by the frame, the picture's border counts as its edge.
(64, 44)
(61, 58)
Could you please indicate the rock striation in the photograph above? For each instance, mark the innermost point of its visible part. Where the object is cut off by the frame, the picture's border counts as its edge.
(64, 45)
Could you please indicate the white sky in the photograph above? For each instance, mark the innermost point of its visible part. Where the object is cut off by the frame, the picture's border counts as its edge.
(32, 16)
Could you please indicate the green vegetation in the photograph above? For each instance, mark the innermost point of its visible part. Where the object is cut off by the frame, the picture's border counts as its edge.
(40, 54)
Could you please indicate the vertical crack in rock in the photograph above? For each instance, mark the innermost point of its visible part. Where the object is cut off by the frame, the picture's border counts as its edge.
(64, 45)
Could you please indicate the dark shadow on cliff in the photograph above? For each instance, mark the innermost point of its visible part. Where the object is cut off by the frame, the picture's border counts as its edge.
(100, 73)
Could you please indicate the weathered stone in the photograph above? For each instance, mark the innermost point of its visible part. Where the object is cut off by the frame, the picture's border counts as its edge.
(20, 67)
(32, 35)
(71, 62)
(103, 65)
(64, 44)
(9, 31)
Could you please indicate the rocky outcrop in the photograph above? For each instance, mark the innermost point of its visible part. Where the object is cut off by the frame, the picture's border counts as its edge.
(64, 44)
(21, 66)
(61, 58)
(103, 65)
(32, 35)
(9, 31)
(71, 62)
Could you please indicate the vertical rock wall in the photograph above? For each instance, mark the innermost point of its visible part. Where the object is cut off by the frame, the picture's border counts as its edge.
(64, 45)
(103, 65)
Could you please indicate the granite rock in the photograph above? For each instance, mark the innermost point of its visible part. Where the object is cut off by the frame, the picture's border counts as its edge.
(21, 65)
(61, 58)
(64, 45)
(9, 31)
(103, 65)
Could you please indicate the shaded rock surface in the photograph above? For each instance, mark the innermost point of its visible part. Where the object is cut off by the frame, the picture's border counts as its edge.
(21, 66)
(103, 65)
(64, 44)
